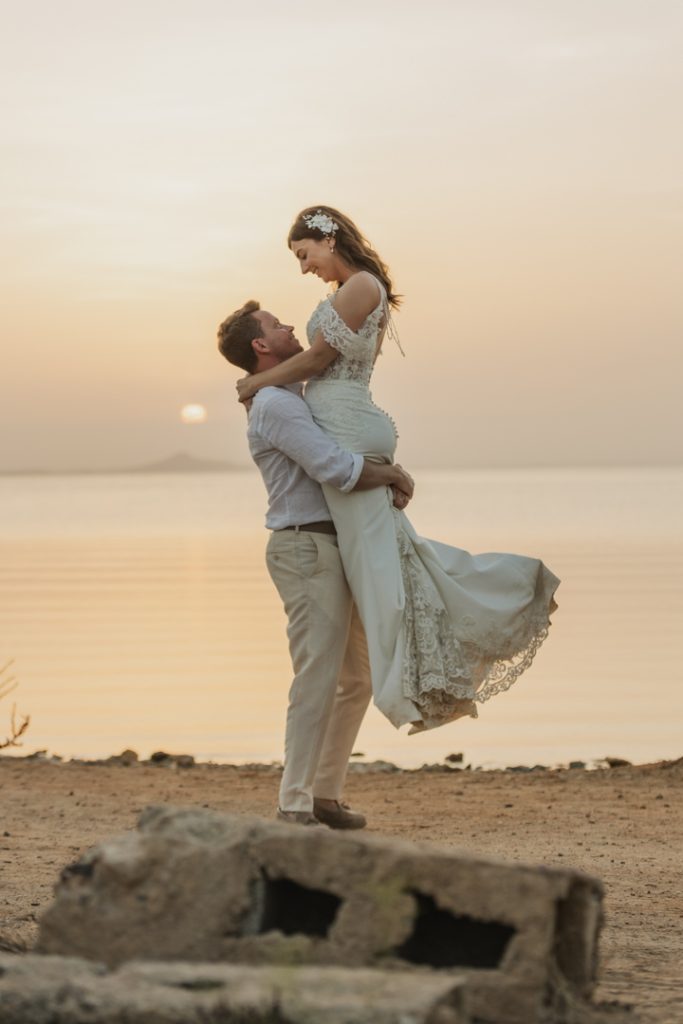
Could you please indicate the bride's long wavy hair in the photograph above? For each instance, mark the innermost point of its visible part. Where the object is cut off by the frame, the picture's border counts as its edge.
(350, 244)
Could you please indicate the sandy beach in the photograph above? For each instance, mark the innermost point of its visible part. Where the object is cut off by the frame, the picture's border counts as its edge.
(622, 824)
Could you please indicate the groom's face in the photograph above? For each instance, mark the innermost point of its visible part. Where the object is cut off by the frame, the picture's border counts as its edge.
(280, 341)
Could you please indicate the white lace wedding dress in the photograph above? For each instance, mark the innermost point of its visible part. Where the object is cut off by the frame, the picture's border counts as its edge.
(446, 630)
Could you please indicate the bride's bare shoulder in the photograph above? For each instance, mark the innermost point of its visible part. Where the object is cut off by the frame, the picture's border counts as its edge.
(358, 296)
(362, 283)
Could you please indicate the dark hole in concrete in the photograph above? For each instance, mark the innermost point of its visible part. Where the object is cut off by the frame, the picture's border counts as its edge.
(442, 939)
(295, 909)
(197, 984)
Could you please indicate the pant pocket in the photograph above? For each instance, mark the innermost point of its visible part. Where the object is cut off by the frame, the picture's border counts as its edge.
(307, 554)
(293, 554)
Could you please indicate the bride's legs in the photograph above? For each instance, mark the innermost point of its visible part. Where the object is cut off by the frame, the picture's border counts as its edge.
(368, 545)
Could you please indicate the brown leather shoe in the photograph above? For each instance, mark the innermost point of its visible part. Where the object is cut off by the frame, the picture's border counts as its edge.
(297, 817)
(337, 815)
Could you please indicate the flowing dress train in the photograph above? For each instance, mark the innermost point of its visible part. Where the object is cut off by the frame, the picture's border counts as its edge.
(446, 630)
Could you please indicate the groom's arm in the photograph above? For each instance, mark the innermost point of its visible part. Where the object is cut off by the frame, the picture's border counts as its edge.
(378, 474)
(285, 421)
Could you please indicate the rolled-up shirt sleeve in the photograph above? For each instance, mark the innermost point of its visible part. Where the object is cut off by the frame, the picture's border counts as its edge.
(284, 421)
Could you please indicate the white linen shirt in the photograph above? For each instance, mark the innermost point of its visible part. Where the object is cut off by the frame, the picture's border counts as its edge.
(295, 456)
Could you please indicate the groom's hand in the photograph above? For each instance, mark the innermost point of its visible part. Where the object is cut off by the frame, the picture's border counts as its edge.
(402, 487)
(403, 481)
(383, 474)
(400, 499)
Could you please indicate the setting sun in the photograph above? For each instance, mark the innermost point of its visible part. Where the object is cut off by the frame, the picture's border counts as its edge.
(193, 413)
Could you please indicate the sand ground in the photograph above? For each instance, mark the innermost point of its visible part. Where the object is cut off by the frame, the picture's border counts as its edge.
(624, 825)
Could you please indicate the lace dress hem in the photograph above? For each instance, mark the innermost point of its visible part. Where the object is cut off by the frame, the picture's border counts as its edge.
(449, 668)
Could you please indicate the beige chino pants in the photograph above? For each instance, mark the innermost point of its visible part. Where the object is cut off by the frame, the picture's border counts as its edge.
(331, 688)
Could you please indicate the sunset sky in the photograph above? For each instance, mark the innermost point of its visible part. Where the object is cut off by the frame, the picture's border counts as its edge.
(518, 164)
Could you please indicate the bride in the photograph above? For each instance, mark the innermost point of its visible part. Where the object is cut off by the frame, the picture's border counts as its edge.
(446, 630)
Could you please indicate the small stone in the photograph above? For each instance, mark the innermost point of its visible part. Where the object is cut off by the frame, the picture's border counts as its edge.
(617, 762)
(518, 768)
(373, 766)
(454, 758)
(125, 758)
(7, 833)
(160, 757)
(577, 764)
(184, 760)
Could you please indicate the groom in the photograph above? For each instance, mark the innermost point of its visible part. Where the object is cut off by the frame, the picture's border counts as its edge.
(331, 688)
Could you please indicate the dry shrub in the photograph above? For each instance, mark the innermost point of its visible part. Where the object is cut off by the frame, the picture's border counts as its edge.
(18, 728)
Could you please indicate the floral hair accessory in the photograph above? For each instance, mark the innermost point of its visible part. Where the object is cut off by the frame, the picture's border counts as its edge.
(322, 221)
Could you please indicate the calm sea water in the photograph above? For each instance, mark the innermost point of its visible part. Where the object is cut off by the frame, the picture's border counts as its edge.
(139, 614)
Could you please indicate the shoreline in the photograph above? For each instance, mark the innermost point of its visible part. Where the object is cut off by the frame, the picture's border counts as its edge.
(359, 763)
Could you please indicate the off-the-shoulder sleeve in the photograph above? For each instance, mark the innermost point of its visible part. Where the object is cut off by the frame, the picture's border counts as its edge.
(335, 331)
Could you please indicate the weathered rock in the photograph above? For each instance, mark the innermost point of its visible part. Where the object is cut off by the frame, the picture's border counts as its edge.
(43, 755)
(126, 758)
(160, 757)
(195, 885)
(367, 767)
(60, 990)
(617, 762)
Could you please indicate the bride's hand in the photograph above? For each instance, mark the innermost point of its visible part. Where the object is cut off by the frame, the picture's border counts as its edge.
(245, 388)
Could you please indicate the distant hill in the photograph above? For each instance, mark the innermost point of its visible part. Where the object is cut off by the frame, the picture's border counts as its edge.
(181, 462)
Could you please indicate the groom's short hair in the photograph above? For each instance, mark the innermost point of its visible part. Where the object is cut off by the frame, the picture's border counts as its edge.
(236, 334)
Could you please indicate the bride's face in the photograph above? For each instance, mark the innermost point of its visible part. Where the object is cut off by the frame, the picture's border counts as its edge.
(316, 257)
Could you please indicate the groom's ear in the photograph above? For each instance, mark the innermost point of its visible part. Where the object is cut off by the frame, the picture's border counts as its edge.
(260, 346)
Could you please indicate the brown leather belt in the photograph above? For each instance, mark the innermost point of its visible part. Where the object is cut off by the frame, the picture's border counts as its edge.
(324, 526)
